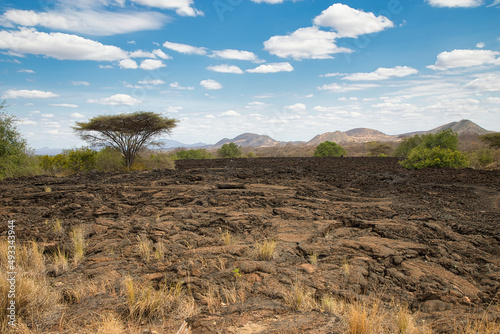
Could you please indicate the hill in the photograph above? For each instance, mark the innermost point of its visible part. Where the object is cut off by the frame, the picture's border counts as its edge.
(250, 140)
(358, 135)
(463, 127)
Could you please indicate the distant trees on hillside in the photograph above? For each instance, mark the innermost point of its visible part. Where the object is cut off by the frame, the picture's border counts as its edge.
(492, 139)
(230, 151)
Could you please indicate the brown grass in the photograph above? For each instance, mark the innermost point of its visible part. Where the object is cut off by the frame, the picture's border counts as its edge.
(264, 251)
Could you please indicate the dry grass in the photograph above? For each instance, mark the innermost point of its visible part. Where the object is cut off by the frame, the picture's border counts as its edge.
(60, 261)
(110, 323)
(78, 239)
(146, 303)
(145, 248)
(159, 253)
(299, 298)
(333, 305)
(482, 326)
(57, 226)
(227, 238)
(362, 319)
(36, 301)
(313, 258)
(264, 251)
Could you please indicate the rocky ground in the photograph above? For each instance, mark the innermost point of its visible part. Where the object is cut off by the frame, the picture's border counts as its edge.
(349, 228)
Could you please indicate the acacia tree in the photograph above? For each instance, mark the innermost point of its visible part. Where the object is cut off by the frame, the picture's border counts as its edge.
(129, 133)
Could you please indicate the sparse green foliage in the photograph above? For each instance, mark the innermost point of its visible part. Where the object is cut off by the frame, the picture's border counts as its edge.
(446, 139)
(329, 149)
(129, 133)
(80, 160)
(492, 139)
(15, 156)
(109, 159)
(376, 149)
(194, 154)
(481, 158)
(230, 151)
(236, 273)
(435, 157)
(406, 145)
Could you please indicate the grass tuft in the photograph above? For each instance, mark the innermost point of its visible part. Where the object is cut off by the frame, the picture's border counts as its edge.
(264, 251)
(78, 239)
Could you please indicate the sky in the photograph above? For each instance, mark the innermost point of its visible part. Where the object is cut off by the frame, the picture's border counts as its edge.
(290, 69)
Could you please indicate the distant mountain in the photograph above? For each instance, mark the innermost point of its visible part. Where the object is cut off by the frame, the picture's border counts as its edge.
(250, 140)
(463, 127)
(48, 151)
(169, 143)
(358, 135)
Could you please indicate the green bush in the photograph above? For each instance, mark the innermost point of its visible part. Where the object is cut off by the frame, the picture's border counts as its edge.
(492, 139)
(377, 149)
(80, 160)
(230, 151)
(149, 161)
(436, 157)
(446, 139)
(194, 154)
(329, 149)
(16, 159)
(53, 164)
(109, 159)
(481, 158)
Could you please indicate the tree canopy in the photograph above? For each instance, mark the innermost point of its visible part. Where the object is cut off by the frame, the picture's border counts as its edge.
(492, 139)
(329, 149)
(129, 133)
(230, 150)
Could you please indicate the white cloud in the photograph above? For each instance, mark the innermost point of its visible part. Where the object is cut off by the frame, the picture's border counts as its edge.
(47, 115)
(77, 115)
(455, 3)
(52, 132)
(27, 94)
(296, 108)
(156, 82)
(186, 49)
(226, 69)
(128, 64)
(210, 84)
(494, 100)
(480, 45)
(336, 88)
(80, 83)
(172, 109)
(152, 64)
(272, 68)
(382, 73)
(25, 121)
(64, 105)
(181, 7)
(115, 100)
(146, 54)
(58, 45)
(329, 75)
(305, 43)
(272, 2)
(88, 21)
(465, 58)
(489, 82)
(350, 22)
(26, 71)
(176, 85)
(236, 55)
(230, 113)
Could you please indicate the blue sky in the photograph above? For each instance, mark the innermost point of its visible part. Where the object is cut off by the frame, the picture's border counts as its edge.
(284, 68)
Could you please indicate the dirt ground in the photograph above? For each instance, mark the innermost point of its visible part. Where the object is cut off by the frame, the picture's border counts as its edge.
(346, 227)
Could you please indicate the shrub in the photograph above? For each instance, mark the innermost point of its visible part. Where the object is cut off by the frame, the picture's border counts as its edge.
(230, 151)
(109, 159)
(446, 139)
(80, 160)
(492, 139)
(481, 158)
(194, 154)
(329, 149)
(376, 149)
(435, 157)
(53, 164)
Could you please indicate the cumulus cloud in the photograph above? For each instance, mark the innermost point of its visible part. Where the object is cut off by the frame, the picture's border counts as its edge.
(128, 64)
(336, 88)
(465, 58)
(181, 7)
(115, 100)
(230, 113)
(186, 49)
(305, 43)
(88, 21)
(350, 22)
(176, 85)
(296, 108)
(58, 45)
(26, 71)
(236, 55)
(272, 68)
(77, 115)
(210, 84)
(27, 94)
(64, 105)
(146, 54)
(152, 64)
(173, 109)
(226, 69)
(382, 73)
(455, 3)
